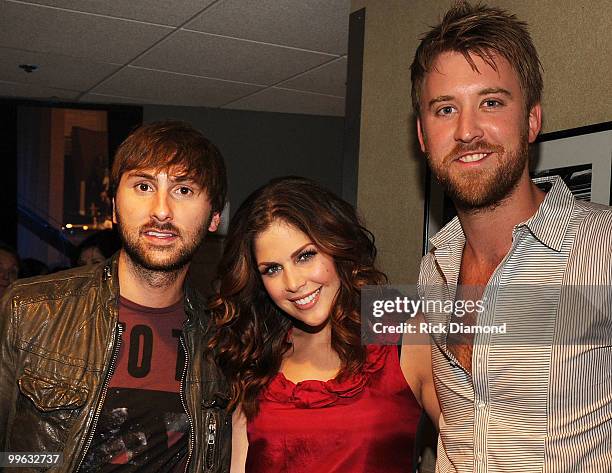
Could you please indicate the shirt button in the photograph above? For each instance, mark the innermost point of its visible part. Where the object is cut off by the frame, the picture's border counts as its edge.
(479, 456)
(482, 404)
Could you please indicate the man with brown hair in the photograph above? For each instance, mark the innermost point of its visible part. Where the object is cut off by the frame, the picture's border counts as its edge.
(535, 396)
(106, 364)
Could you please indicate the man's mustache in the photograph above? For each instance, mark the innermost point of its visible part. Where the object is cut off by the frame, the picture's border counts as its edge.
(463, 148)
(163, 227)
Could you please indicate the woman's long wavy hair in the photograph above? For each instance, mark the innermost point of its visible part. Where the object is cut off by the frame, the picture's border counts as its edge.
(251, 336)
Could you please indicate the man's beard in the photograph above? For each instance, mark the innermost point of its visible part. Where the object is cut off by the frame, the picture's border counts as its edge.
(473, 190)
(142, 255)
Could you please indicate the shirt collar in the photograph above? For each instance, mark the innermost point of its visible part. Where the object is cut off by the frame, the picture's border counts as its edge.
(448, 249)
(549, 224)
(451, 232)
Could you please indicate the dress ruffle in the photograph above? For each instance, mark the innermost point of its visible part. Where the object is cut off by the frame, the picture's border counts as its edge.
(314, 393)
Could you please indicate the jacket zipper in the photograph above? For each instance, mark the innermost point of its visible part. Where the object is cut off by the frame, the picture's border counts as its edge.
(109, 374)
(184, 402)
(211, 436)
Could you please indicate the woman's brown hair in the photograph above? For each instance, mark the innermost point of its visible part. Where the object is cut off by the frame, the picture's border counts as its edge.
(251, 336)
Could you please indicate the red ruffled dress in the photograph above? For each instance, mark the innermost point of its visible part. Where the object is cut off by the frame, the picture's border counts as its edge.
(364, 424)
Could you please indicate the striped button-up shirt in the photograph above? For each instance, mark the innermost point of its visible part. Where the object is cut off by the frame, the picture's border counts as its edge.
(539, 398)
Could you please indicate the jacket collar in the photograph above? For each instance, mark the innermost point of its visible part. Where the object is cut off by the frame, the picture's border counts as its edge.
(109, 276)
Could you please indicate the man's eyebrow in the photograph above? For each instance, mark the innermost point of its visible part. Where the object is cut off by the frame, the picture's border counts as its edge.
(440, 98)
(183, 178)
(487, 91)
(146, 175)
(495, 90)
(140, 174)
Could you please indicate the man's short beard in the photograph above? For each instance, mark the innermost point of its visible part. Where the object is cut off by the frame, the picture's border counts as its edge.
(138, 257)
(138, 254)
(490, 190)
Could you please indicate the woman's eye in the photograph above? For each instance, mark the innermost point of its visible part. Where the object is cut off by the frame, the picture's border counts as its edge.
(271, 270)
(307, 255)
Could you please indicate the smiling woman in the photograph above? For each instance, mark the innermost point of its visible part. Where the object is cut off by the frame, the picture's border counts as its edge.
(299, 279)
(308, 395)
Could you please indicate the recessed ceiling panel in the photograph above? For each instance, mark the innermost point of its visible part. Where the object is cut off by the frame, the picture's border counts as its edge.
(11, 89)
(316, 25)
(152, 11)
(231, 59)
(291, 101)
(327, 79)
(174, 89)
(94, 37)
(53, 70)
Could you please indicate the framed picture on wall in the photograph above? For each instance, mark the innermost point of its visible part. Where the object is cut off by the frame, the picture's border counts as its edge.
(582, 157)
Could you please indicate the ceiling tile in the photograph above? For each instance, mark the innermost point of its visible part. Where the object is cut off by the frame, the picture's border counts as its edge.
(231, 59)
(174, 89)
(98, 38)
(153, 11)
(54, 70)
(316, 25)
(327, 79)
(112, 99)
(291, 101)
(11, 89)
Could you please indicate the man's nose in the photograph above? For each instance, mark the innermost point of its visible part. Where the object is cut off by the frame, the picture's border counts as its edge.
(162, 207)
(468, 127)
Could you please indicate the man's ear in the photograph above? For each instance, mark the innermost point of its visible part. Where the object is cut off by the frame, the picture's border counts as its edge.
(535, 122)
(114, 212)
(214, 222)
(421, 135)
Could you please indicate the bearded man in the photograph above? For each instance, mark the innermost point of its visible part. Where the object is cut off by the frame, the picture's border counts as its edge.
(535, 396)
(105, 365)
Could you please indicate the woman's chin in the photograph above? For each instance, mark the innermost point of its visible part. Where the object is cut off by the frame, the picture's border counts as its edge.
(309, 328)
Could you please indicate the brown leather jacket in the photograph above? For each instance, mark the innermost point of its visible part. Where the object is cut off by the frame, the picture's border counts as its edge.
(58, 340)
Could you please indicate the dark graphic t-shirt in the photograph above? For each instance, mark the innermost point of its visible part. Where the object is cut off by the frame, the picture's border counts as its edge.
(143, 426)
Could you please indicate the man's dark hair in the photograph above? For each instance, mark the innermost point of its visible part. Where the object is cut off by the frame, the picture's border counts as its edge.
(166, 144)
(485, 32)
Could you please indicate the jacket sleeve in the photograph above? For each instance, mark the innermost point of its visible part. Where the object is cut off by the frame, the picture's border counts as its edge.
(8, 381)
